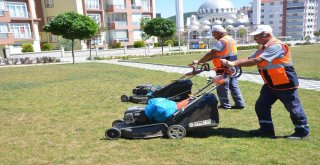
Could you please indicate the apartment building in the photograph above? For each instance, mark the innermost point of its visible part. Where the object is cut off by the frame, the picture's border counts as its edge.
(123, 19)
(21, 21)
(19, 24)
(292, 18)
(91, 8)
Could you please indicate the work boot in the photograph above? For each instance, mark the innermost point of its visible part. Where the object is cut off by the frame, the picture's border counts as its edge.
(263, 134)
(298, 136)
(237, 107)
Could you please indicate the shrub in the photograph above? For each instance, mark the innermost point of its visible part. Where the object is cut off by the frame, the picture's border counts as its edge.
(46, 47)
(139, 44)
(247, 47)
(117, 45)
(27, 47)
(156, 45)
(166, 43)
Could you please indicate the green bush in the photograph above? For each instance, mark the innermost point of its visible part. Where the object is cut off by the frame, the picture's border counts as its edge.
(46, 47)
(139, 44)
(156, 44)
(117, 45)
(27, 47)
(247, 47)
(166, 43)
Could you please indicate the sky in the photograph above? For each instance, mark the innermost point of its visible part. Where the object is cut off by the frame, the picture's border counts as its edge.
(167, 7)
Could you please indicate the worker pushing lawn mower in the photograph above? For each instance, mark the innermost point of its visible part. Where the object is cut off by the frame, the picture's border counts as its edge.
(164, 117)
(177, 90)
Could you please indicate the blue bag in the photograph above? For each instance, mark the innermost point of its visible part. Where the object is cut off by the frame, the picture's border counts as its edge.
(160, 109)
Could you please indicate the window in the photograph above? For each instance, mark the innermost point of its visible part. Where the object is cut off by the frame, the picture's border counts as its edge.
(21, 30)
(2, 5)
(295, 1)
(120, 19)
(262, 16)
(96, 18)
(136, 4)
(271, 22)
(271, 16)
(48, 3)
(137, 35)
(272, 4)
(145, 5)
(92, 4)
(136, 19)
(262, 10)
(17, 9)
(146, 16)
(120, 35)
(119, 4)
(4, 30)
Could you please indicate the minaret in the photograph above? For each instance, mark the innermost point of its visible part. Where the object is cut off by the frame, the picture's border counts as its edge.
(256, 13)
(179, 16)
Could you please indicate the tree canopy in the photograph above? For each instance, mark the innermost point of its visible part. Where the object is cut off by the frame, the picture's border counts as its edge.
(159, 27)
(71, 25)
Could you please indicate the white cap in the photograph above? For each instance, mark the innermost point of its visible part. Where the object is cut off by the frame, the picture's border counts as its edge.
(218, 28)
(261, 28)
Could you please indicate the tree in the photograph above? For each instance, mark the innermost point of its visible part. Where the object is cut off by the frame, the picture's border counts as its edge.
(159, 27)
(71, 25)
(144, 35)
(101, 29)
(242, 32)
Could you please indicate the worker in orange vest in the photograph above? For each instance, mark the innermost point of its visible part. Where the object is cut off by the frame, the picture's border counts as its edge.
(273, 59)
(224, 48)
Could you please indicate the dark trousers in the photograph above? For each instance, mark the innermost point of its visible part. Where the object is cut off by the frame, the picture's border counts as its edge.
(290, 100)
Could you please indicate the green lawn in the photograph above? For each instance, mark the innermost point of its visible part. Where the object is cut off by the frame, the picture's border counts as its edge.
(305, 59)
(57, 114)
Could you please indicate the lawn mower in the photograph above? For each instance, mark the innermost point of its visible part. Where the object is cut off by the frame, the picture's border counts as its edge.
(177, 90)
(201, 110)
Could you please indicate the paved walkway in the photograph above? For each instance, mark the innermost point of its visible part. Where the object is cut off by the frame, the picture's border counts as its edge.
(304, 83)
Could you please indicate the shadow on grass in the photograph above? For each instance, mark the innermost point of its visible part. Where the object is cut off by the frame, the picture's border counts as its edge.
(224, 132)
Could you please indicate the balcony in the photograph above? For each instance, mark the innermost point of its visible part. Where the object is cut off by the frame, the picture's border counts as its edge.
(288, 29)
(23, 36)
(294, 23)
(295, 4)
(295, 17)
(24, 16)
(296, 11)
(116, 8)
(6, 38)
(118, 25)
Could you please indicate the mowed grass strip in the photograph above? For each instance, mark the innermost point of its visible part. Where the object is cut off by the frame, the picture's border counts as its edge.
(57, 114)
(305, 60)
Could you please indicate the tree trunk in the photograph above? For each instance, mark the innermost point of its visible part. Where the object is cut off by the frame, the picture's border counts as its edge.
(145, 48)
(162, 45)
(90, 48)
(72, 45)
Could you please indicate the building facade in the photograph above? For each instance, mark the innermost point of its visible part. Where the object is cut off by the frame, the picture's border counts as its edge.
(290, 18)
(123, 19)
(21, 21)
(19, 24)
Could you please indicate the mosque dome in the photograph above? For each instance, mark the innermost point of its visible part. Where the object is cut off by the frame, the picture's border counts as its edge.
(214, 5)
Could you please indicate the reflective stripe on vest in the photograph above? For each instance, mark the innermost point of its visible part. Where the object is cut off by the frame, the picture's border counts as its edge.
(278, 74)
(229, 53)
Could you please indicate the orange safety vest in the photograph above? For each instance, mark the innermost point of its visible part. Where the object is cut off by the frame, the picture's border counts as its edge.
(278, 74)
(229, 53)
